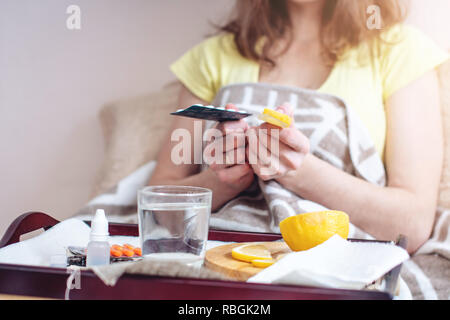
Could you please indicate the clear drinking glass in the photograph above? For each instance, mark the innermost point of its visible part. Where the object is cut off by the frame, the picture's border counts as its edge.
(174, 222)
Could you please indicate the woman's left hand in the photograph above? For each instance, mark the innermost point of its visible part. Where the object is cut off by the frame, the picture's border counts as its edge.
(275, 152)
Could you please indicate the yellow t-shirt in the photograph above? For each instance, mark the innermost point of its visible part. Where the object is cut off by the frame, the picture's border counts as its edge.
(405, 55)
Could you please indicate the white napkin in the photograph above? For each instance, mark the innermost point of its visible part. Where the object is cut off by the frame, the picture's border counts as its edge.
(336, 263)
(39, 250)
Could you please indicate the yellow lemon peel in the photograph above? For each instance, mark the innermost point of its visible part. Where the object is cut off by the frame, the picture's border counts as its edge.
(307, 230)
(263, 263)
(276, 118)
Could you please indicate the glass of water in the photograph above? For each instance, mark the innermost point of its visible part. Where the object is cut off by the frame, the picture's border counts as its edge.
(174, 223)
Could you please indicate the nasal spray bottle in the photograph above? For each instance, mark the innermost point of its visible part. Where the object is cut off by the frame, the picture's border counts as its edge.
(98, 246)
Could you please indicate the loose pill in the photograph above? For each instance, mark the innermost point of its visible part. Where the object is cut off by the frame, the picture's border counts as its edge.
(117, 247)
(128, 246)
(127, 252)
(138, 251)
(115, 252)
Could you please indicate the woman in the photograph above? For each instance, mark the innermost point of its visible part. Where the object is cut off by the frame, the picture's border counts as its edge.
(386, 74)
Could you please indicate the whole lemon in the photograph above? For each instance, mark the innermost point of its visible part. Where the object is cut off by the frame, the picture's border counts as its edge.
(307, 230)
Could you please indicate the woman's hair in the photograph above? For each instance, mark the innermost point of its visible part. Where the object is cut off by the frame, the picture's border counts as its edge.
(344, 25)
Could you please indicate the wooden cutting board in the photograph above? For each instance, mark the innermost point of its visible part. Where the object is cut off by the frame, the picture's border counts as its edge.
(219, 259)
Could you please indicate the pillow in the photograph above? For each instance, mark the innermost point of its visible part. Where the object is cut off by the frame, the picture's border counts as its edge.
(444, 191)
(133, 131)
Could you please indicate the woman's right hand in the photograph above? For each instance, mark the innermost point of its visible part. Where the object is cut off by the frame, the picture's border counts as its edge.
(227, 157)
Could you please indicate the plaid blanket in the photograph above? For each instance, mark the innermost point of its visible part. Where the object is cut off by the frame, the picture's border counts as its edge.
(336, 136)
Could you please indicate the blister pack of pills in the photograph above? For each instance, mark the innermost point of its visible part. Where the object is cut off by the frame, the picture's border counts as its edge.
(199, 111)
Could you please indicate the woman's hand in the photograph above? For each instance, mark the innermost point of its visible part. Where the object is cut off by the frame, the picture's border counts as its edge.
(273, 152)
(225, 156)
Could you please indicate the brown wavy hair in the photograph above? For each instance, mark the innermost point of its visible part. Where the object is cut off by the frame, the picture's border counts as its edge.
(344, 25)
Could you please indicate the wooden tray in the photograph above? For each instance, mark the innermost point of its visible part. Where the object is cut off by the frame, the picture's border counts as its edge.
(51, 282)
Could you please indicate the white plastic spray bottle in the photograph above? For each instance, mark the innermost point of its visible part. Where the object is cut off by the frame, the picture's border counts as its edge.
(98, 246)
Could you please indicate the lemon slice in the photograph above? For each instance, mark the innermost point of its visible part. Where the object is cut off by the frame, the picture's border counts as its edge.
(267, 263)
(263, 263)
(249, 252)
(276, 118)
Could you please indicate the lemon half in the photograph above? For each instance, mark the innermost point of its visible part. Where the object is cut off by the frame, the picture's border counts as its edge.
(307, 230)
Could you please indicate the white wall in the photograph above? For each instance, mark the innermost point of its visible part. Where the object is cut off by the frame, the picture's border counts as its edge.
(53, 81)
(432, 17)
